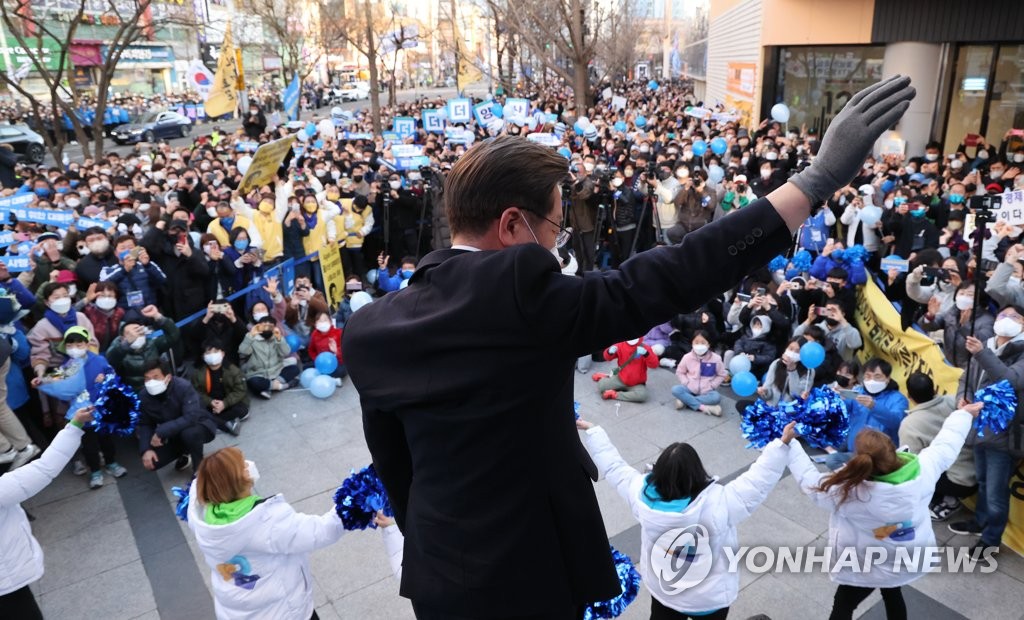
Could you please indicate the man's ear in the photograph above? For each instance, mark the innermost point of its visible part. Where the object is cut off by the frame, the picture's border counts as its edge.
(510, 225)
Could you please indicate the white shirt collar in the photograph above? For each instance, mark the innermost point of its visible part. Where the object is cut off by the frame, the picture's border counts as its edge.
(467, 248)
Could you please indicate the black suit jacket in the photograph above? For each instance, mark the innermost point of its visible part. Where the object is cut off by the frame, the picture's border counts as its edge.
(466, 383)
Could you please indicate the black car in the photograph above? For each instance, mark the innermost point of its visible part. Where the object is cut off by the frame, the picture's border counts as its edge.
(152, 127)
(25, 142)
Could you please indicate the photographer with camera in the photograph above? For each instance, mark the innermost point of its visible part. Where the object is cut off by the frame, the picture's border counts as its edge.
(626, 203)
(583, 210)
(145, 337)
(694, 203)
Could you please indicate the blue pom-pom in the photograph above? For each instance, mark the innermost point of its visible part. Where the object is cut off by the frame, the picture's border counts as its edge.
(359, 498)
(117, 408)
(802, 261)
(857, 253)
(576, 409)
(629, 579)
(760, 424)
(823, 419)
(778, 264)
(181, 509)
(999, 406)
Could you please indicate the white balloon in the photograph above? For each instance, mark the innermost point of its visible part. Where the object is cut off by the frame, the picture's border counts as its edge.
(302, 135)
(869, 216)
(531, 123)
(243, 164)
(780, 112)
(495, 124)
(583, 121)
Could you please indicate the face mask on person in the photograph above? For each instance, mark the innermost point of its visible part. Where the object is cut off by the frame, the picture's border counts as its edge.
(1018, 158)
(911, 169)
(756, 331)
(931, 156)
(42, 192)
(956, 198)
(996, 174)
(310, 207)
(99, 247)
(900, 200)
(259, 316)
(76, 353)
(211, 211)
(106, 303)
(251, 471)
(74, 203)
(628, 172)
(121, 194)
(138, 343)
(771, 155)
(395, 184)
(95, 187)
(744, 160)
(156, 387)
(964, 302)
(61, 306)
(956, 164)
(982, 154)
(407, 273)
(874, 386)
(323, 326)
(1007, 328)
(843, 381)
(791, 356)
(213, 359)
(888, 202)
(682, 173)
(917, 213)
(831, 322)
(700, 349)
(766, 173)
(357, 178)
(589, 167)
(616, 182)
(241, 244)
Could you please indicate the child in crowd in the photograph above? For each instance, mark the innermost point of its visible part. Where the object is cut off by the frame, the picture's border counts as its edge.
(628, 382)
(700, 372)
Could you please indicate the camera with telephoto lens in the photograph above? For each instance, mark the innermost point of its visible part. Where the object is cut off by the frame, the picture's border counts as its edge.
(933, 275)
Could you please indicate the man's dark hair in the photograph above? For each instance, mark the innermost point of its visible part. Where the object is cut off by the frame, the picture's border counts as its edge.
(408, 260)
(155, 363)
(838, 273)
(920, 387)
(877, 363)
(678, 473)
(496, 174)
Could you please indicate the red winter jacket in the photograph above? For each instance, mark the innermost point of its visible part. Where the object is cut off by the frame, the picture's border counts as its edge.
(320, 342)
(635, 372)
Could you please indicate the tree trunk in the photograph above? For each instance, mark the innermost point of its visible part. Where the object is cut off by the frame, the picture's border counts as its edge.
(371, 57)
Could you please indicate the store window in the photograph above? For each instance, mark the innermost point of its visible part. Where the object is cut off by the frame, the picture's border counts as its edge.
(816, 82)
(987, 96)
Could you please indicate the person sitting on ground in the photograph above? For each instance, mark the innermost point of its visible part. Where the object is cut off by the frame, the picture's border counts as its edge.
(221, 388)
(917, 431)
(628, 382)
(145, 337)
(756, 344)
(303, 306)
(264, 352)
(700, 372)
(173, 426)
(326, 338)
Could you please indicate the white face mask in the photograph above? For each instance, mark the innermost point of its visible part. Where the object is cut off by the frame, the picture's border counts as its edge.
(251, 471)
(956, 164)
(700, 349)
(771, 155)
(744, 160)
(756, 331)
(964, 302)
(61, 306)
(121, 193)
(73, 202)
(996, 174)
(323, 326)
(633, 342)
(258, 316)
(616, 182)
(1007, 328)
(213, 359)
(76, 353)
(395, 184)
(873, 386)
(138, 343)
(211, 211)
(888, 203)
(589, 167)
(1018, 158)
(931, 156)
(766, 174)
(106, 303)
(791, 356)
(156, 387)
(72, 290)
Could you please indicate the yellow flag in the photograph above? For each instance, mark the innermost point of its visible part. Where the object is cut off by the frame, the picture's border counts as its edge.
(223, 97)
(468, 72)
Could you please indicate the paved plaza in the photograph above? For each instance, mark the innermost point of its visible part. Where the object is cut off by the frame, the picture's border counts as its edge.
(120, 553)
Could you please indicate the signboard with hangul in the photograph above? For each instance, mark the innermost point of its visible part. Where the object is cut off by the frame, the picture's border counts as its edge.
(459, 110)
(547, 139)
(901, 265)
(404, 125)
(484, 113)
(1011, 210)
(517, 109)
(432, 121)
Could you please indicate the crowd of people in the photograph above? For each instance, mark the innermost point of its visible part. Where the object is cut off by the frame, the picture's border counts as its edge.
(172, 285)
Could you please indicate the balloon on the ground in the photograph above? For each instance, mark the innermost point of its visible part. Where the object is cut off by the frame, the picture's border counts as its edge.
(700, 147)
(326, 363)
(307, 376)
(780, 112)
(294, 342)
(744, 384)
(719, 146)
(739, 363)
(323, 386)
(812, 354)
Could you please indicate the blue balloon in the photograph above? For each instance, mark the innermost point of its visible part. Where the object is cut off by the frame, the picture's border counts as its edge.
(700, 147)
(620, 126)
(307, 376)
(739, 364)
(744, 384)
(719, 146)
(652, 85)
(326, 363)
(564, 152)
(497, 110)
(579, 128)
(310, 129)
(812, 354)
(294, 342)
(640, 121)
(323, 386)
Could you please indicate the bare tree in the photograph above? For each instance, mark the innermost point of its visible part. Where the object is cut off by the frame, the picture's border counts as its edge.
(298, 44)
(358, 28)
(39, 31)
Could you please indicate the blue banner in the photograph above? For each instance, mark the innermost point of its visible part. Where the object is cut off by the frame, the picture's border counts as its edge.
(17, 200)
(48, 217)
(291, 99)
(7, 238)
(247, 146)
(83, 223)
(352, 135)
(16, 264)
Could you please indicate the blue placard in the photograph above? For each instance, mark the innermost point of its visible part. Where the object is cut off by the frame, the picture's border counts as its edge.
(83, 223)
(432, 121)
(411, 163)
(352, 135)
(459, 110)
(390, 136)
(404, 125)
(247, 146)
(6, 238)
(898, 263)
(16, 264)
(517, 109)
(484, 112)
(18, 200)
(48, 217)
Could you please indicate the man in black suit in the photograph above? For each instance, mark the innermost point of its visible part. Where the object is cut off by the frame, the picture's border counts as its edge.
(466, 376)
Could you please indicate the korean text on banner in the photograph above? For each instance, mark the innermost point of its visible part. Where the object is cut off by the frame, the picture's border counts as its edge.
(265, 163)
(334, 275)
(908, 351)
(223, 97)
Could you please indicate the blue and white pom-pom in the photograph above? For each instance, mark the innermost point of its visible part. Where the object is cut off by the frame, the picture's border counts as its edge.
(760, 424)
(117, 408)
(629, 579)
(576, 409)
(823, 419)
(359, 498)
(181, 508)
(802, 261)
(999, 406)
(778, 263)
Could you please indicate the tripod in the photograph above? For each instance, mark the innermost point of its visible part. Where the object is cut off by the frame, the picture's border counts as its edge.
(426, 173)
(983, 208)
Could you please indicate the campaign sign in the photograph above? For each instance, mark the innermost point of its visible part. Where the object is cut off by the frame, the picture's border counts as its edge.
(547, 139)
(432, 121)
(898, 263)
(517, 109)
(459, 110)
(404, 125)
(484, 113)
(16, 264)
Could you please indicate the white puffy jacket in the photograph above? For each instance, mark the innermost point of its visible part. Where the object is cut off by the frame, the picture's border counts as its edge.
(21, 558)
(718, 508)
(882, 515)
(259, 564)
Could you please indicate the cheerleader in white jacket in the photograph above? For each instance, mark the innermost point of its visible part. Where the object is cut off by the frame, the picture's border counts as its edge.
(879, 504)
(686, 519)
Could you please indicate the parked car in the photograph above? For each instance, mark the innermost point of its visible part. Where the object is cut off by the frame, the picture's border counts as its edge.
(26, 143)
(152, 127)
(354, 91)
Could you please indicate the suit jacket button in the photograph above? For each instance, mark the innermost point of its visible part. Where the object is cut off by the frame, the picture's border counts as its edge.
(758, 232)
(740, 245)
(749, 240)
(733, 251)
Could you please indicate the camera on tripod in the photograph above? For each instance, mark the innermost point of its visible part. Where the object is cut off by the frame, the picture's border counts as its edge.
(984, 207)
(604, 173)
